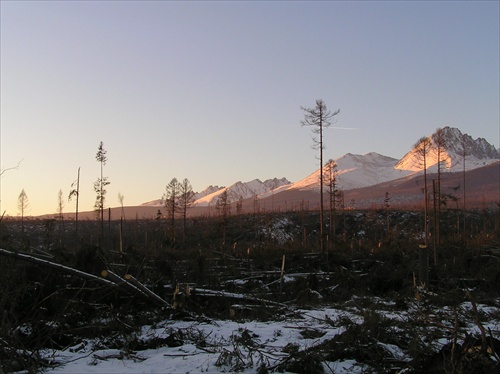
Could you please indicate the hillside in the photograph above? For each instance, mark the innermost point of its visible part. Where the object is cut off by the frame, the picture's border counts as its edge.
(482, 190)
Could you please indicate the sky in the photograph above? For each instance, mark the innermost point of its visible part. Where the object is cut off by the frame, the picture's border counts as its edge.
(212, 91)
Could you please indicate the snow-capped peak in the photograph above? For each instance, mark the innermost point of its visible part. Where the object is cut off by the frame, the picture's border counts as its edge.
(243, 190)
(454, 144)
(357, 171)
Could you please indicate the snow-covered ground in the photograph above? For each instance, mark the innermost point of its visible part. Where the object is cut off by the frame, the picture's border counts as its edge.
(211, 346)
(204, 346)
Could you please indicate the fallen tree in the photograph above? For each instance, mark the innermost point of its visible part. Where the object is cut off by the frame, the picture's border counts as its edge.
(54, 265)
(107, 278)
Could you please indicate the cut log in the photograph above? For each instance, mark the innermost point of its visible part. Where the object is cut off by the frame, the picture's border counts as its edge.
(132, 288)
(146, 290)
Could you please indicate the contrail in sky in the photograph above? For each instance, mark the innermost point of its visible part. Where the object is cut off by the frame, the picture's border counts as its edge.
(345, 128)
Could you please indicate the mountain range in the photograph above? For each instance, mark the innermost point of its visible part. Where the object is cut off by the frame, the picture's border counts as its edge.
(364, 180)
(357, 172)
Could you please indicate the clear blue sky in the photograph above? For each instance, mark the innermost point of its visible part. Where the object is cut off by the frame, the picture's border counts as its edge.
(211, 91)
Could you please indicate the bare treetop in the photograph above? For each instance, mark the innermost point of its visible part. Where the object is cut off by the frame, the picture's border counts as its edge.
(319, 117)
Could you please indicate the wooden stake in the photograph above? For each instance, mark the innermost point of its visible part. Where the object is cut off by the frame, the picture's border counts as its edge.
(282, 271)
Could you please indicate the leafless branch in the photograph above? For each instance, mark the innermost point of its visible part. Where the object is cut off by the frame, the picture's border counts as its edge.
(11, 168)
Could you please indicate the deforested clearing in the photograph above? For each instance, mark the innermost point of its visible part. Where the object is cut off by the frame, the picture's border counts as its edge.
(253, 293)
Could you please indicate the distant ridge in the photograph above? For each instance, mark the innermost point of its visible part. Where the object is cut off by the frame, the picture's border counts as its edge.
(363, 178)
(237, 191)
(361, 171)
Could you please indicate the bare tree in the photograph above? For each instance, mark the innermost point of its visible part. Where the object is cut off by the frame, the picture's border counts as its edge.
(387, 204)
(120, 199)
(60, 215)
(331, 183)
(319, 118)
(23, 206)
(223, 208)
(421, 150)
(463, 143)
(76, 193)
(60, 205)
(186, 200)
(441, 144)
(171, 200)
(2, 171)
(100, 184)
(340, 202)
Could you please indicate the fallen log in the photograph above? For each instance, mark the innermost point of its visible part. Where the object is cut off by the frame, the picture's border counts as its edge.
(235, 296)
(122, 283)
(56, 266)
(146, 290)
(133, 288)
(112, 281)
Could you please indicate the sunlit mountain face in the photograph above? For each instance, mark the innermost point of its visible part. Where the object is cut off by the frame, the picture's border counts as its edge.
(457, 151)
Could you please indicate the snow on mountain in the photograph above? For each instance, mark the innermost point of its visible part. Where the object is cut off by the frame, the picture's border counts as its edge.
(207, 191)
(243, 190)
(478, 153)
(157, 202)
(197, 196)
(357, 171)
(236, 191)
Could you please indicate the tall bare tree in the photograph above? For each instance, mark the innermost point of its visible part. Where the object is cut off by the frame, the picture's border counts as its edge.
(331, 183)
(76, 193)
(463, 143)
(421, 150)
(23, 206)
(100, 184)
(319, 118)
(171, 200)
(60, 215)
(60, 205)
(441, 144)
